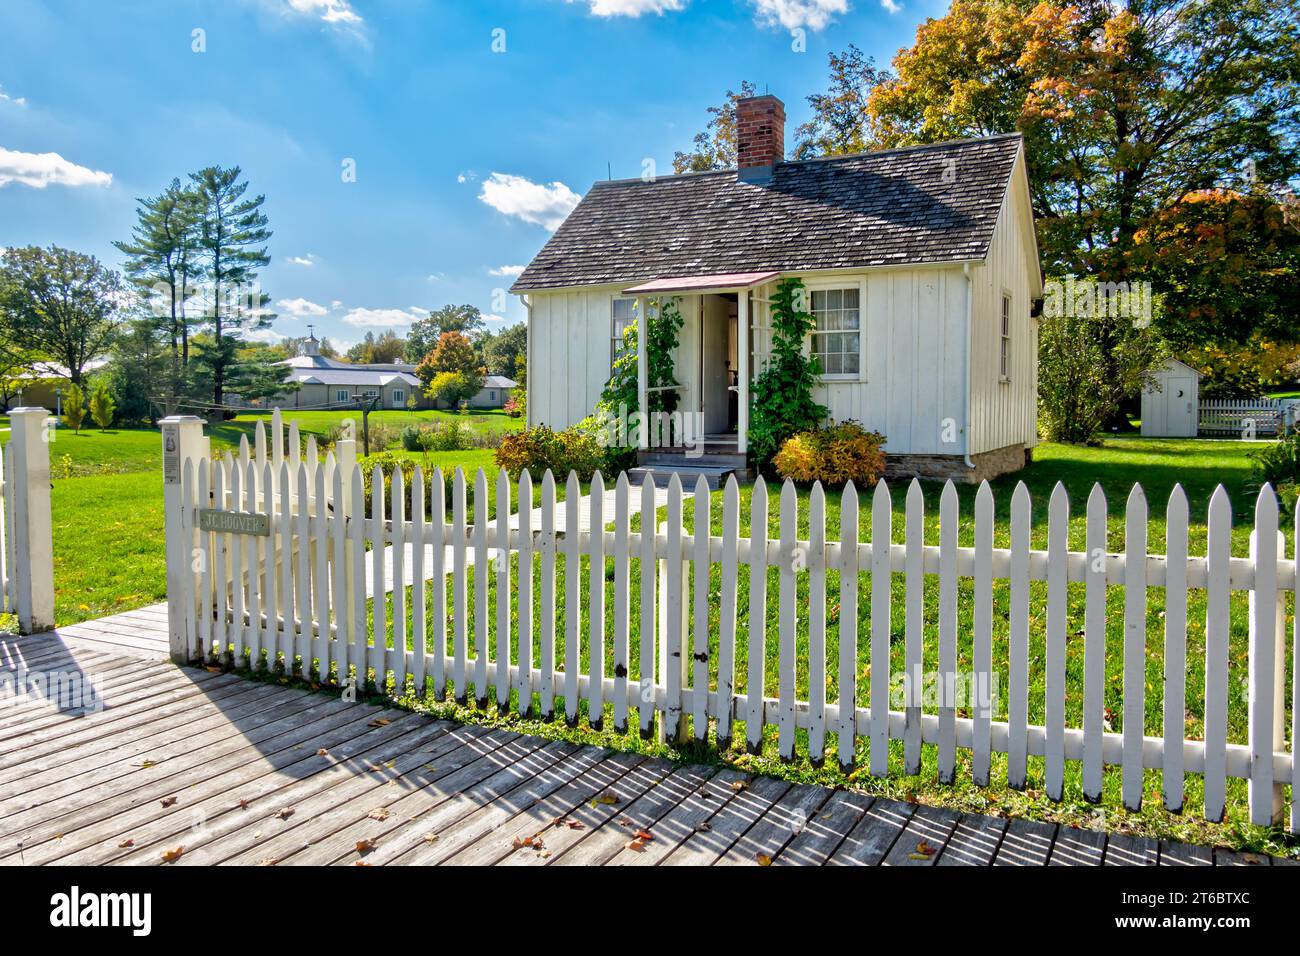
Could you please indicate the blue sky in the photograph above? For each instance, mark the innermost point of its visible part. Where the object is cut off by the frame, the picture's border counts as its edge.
(465, 157)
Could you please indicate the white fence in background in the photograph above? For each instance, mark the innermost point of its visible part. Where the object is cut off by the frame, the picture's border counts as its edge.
(298, 599)
(1236, 417)
(26, 531)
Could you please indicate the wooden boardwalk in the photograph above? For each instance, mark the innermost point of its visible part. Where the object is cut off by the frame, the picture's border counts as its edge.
(185, 766)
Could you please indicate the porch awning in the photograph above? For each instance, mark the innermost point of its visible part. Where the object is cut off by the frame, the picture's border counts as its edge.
(720, 282)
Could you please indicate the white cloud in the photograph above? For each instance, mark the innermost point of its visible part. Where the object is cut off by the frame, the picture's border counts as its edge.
(540, 203)
(506, 270)
(269, 336)
(382, 318)
(893, 6)
(39, 170)
(334, 12)
(301, 308)
(434, 277)
(336, 304)
(631, 8)
(15, 100)
(308, 260)
(791, 14)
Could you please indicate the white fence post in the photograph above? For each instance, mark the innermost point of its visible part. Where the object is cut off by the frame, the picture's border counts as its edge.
(677, 732)
(182, 440)
(33, 550)
(1276, 647)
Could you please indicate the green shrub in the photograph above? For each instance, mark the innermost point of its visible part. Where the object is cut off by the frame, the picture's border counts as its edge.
(833, 455)
(537, 449)
(782, 394)
(1279, 465)
(437, 437)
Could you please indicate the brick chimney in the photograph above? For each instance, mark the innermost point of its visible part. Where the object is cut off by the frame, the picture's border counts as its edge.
(760, 137)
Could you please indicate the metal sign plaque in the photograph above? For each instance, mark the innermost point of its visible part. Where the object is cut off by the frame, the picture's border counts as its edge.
(234, 522)
(171, 438)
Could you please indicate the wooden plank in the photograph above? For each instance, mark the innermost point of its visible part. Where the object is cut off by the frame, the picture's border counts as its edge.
(875, 834)
(974, 841)
(700, 566)
(727, 826)
(646, 655)
(1185, 854)
(643, 812)
(914, 626)
(595, 605)
(541, 825)
(1078, 847)
(921, 841)
(1058, 529)
(1175, 688)
(982, 639)
(459, 611)
(591, 814)
(673, 725)
(680, 823)
(1026, 843)
(1094, 643)
(504, 604)
(727, 610)
(437, 536)
(947, 755)
(547, 546)
(357, 651)
(1218, 551)
(419, 590)
(826, 829)
(817, 624)
(1125, 850)
(881, 626)
(1018, 640)
(572, 601)
(1265, 727)
(1225, 857)
(622, 600)
(765, 840)
(482, 575)
(757, 642)
(524, 675)
(792, 560)
(1135, 650)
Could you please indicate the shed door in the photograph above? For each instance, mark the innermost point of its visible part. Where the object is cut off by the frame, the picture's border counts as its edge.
(1180, 406)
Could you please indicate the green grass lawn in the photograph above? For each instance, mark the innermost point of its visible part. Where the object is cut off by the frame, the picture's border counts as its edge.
(319, 423)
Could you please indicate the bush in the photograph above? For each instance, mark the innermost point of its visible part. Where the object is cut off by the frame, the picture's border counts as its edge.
(537, 449)
(833, 455)
(382, 437)
(516, 405)
(1279, 465)
(388, 463)
(437, 437)
(783, 392)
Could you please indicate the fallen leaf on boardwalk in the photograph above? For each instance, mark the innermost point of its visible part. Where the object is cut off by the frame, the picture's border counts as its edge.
(625, 822)
(361, 863)
(378, 813)
(605, 799)
(533, 842)
(575, 824)
(243, 804)
(380, 722)
(762, 859)
(125, 844)
(365, 846)
(167, 801)
(212, 670)
(172, 855)
(703, 827)
(430, 838)
(740, 785)
(146, 764)
(322, 752)
(285, 813)
(637, 845)
(269, 861)
(644, 835)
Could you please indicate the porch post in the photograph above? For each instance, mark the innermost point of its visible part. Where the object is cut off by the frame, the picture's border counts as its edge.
(742, 372)
(31, 545)
(642, 371)
(182, 440)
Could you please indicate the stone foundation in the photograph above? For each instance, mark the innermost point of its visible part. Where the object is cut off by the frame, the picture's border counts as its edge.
(988, 465)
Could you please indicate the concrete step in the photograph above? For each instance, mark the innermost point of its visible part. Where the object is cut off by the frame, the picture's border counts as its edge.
(686, 474)
(709, 459)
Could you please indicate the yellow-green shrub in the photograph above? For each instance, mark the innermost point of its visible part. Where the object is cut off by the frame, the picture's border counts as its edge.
(833, 455)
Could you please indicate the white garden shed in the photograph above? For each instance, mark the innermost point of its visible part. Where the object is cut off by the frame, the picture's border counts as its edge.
(1170, 407)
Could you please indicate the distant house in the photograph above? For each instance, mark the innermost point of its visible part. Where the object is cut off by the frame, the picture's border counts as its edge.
(922, 270)
(494, 393)
(329, 383)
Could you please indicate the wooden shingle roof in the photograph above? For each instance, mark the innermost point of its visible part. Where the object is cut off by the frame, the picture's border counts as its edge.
(921, 204)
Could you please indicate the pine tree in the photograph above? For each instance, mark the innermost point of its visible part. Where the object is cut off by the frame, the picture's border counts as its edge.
(102, 406)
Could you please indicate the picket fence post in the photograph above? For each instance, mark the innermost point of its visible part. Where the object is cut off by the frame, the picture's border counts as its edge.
(33, 543)
(182, 440)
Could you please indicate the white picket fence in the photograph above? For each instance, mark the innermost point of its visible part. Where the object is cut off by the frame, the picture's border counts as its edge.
(1235, 417)
(298, 599)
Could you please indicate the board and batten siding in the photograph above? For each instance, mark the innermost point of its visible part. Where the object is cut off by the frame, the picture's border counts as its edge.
(913, 348)
(569, 337)
(1005, 413)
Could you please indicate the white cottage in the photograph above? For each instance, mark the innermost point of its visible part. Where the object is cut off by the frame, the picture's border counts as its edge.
(923, 272)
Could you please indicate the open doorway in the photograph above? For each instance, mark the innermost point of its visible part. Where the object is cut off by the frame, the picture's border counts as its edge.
(717, 375)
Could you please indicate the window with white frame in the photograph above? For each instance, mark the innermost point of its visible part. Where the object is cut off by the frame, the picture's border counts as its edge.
(341, 395)
(1004, 356)
(370, 393)
(836, 340)
(622, 315)
(399, 396)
